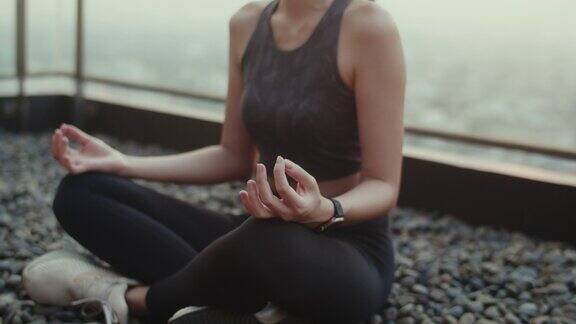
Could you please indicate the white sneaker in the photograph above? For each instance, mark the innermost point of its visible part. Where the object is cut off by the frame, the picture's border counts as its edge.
(64, 278)
(271, 314)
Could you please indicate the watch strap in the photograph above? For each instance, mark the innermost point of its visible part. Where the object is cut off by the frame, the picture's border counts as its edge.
(338, 210)
(337, 216)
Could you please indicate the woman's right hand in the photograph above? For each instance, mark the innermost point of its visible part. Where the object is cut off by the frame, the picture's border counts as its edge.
(92, 155)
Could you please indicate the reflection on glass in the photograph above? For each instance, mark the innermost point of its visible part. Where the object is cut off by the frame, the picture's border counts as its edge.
(8, 87)
(493, 68)
(174, 43)
(7, 37)
(51, 35)
(498, 68)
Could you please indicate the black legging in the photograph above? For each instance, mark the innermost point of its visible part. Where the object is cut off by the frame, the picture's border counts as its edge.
(193, 256)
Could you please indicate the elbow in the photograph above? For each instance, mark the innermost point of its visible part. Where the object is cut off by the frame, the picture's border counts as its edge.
(388, 192)
(395, 199)
(245, 171)
(242, 168)
(245, 163)
(242, 163)
(391, 194)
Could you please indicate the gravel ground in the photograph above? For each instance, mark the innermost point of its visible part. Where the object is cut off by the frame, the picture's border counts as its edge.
(447, 271)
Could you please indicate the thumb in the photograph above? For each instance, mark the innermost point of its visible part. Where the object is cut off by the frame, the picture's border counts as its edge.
(76, 134)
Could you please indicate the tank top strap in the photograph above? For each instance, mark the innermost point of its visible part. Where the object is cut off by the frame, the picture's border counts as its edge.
(260, 33)
(328, 29)
(326, 44)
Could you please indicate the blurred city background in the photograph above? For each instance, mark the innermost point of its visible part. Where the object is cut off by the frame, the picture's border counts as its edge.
(502, 69)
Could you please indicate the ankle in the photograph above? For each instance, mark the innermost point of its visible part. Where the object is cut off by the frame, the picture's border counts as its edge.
(136, 300)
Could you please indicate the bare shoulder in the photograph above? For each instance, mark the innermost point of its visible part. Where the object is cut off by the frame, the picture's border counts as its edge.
(242, 25)
(244, 19)
(366, 21)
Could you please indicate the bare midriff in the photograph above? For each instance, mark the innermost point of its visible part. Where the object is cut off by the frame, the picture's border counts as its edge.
(328, 188)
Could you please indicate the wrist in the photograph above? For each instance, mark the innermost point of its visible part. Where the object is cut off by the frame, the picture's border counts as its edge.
(124, 163)
(327, 210)
(323, 213)
(337, 216)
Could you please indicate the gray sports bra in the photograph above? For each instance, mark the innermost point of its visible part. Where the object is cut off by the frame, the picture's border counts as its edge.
(295, 104)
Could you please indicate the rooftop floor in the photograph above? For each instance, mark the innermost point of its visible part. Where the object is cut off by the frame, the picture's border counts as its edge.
(446, 270)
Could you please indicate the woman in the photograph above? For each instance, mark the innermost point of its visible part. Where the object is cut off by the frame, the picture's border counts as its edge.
(316, 88)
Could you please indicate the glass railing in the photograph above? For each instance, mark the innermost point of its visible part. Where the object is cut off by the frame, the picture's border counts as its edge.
(499, 72)
(50, 35)
(175, 44)
(503, 69)
(7, 38)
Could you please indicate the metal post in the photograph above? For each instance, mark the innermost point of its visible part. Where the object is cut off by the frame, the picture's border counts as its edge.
(78, 110)
(22, 105)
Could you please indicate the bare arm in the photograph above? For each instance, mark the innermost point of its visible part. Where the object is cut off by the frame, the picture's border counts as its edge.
(379, 85)
(232, 159)
(211, 164)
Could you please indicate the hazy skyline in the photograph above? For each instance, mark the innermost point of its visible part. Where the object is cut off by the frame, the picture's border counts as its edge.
(491, 67)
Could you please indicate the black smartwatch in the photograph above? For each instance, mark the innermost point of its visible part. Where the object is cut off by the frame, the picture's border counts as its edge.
(337, 217)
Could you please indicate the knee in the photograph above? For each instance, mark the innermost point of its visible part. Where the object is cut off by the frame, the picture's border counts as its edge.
(255, 240)
(70, 191)
(260, 237)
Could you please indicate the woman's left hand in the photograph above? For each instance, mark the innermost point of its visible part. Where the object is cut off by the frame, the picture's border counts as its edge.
(304, 205)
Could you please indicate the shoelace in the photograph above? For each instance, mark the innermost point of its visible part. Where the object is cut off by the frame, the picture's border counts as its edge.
(94, 306)
(91, 307)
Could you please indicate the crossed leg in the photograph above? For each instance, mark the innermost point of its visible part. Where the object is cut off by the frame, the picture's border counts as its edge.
(192, 256)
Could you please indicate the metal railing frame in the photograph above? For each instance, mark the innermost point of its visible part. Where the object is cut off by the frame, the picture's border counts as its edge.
(79, 64)
(21, 55)
(80, 78)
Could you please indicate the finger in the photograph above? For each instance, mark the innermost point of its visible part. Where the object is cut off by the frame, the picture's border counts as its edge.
(299, 174)
(264, 190)
(75, 134)
(288, 194)
(64, 143)
(57, 147)
(61, 149)
(53, 146)
(68, 163)
(67, 160)
(246, 201)
(76, 166)
(257, 204)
